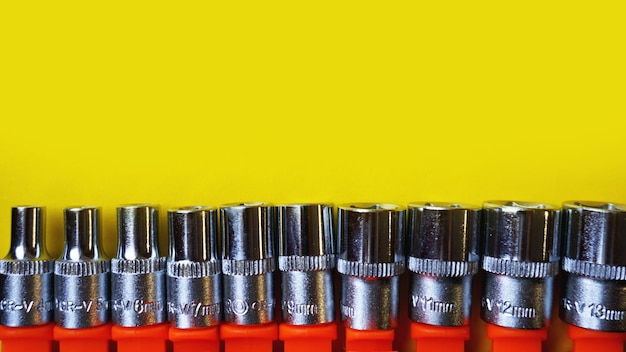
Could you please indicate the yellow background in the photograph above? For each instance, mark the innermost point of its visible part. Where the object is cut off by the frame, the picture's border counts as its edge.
(181, 103)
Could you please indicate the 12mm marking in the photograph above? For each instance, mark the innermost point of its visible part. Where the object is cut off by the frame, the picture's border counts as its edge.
(507, 308)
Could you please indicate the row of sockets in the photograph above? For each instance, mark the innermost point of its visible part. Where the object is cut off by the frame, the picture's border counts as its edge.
(222, 269)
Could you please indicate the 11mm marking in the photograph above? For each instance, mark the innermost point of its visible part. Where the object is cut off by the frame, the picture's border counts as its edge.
(507, 308)
(596, 310)
(430, 304)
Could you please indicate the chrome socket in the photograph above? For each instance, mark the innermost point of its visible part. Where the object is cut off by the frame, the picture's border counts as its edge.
(594, 266)
(520, 260)
(194, 290)
(248, 262)
(26, 272)
(443, 258)
(306, 259)
(370, 258)
(82, 273)
(138, 296)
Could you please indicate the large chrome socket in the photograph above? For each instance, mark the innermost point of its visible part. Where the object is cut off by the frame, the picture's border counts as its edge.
(520, 260)
(82, 273)
(248, 262)
(306, 259)
(194, 290)
(26, 273)
(443, 258)
(370, 258)
(138, 296)
(594, 265)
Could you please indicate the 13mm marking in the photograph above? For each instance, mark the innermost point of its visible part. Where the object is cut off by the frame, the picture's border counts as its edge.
(595, 310)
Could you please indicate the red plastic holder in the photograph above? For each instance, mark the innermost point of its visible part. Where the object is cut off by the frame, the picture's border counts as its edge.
(195, 340)
(586, 340)
(244, 338)
(369, 340)
(516, 340)
(151, 338)
(95, 339)
(439, 338)
(308, 338)
(30, 338)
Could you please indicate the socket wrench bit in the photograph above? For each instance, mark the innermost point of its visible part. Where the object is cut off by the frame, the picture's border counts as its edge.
(594, 265)
(26, 297)
(443, 258)
(306, 259)
(520, 260)
(370, 249)
(82, 273)
(138, 294)
(194, 290)
(248, 262)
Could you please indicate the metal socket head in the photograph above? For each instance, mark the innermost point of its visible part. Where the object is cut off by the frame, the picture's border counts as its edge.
(305, 230)
(595, 232)
(594, 278)
(247, 231)
(26, 272)
(82, 273)
(137, 228)
(305, 257)
(193, 234)
(370, 234)
(520, 259)
(138, 296)
(443, 231)
(27, 234)
(521, 231)
(82, 234)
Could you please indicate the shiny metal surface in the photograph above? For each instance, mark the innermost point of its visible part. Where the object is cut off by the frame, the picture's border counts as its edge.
(443, 231)
(247, 231)
(521, 231)
(306, 258)
(82, 273)
(371, 233)
(593, 303)
(368, 304)
(595, 232)
(248, 262)
(520, 259)
(194, 290)
(138, 295)
(594, 282)
(250, 299)
(27, 234)
(307, 297)
(305, 230)
(137, 231)
(517, 302)
(26, 291)
(370, 259)
(441, 301)
(443, 258)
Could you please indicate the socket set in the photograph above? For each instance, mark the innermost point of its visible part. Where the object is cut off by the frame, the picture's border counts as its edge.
(295, 277)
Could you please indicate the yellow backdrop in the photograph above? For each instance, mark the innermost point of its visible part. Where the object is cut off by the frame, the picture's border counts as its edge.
(187, 103)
